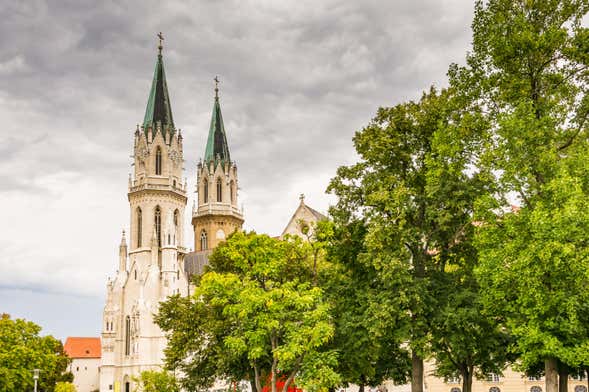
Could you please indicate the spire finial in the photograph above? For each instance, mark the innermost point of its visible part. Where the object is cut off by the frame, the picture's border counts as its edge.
(216, 87)
(161, 38)
(302, 198)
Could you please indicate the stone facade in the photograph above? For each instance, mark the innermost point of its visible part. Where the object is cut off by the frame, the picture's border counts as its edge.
(151, 265)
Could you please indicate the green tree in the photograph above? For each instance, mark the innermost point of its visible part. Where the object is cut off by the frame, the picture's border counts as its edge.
(260, 316)
(368, 353)
(23, 349)
(64, 386)
(466, 341)
(527, 73)
(416, 186)
(156, 381)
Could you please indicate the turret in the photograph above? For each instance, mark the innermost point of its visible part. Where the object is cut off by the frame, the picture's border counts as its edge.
(217, 213)
(123, 254)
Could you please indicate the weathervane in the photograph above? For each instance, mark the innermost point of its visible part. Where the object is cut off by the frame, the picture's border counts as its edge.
(216, 86)
(161, 37)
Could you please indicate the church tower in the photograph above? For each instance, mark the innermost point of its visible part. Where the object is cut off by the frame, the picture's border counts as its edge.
(215, 214)
(151, 263)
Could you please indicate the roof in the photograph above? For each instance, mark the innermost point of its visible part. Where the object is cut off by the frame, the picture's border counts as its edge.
(159, 109)
(217, 146)
(195, 262)
(316, 213)
(82, 347)
(300, 212)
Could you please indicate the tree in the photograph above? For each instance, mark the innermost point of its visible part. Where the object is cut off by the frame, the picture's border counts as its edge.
(259, 315)
(22, 349)
(466, 341)
(416, 187)
(64, 386)
(368, 354)
(156, 381)
(528, 75)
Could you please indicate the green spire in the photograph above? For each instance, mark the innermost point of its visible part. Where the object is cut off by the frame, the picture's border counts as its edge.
(158, 106)
(217, 147)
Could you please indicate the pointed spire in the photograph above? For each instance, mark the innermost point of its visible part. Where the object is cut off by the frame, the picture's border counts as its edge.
(159, 109)
(217, 147)
(123, 253)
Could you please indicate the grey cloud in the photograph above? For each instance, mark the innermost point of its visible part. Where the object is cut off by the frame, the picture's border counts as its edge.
(298, 79)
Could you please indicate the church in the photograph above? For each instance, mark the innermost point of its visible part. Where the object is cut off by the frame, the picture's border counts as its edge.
(154, 261)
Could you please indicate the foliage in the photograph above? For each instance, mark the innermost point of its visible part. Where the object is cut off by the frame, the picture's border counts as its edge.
(156, 381)
(368, 353)
(415, 188)
(23, 349)
(258, 315)
(528, 75)
(64, 386)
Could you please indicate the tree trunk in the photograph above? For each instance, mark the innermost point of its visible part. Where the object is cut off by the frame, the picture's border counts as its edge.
(417, 373)
(551, 374)
(466, 374)
(361, 388)
(563, 377)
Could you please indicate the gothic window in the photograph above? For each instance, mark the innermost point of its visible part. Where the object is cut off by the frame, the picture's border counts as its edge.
(205, 186)
(127, 335)
(139, 227)
(176, 219)
(158, 161)
(494, 389)
(455, 389)
(203, 241)
(536, 388)
(493, 377)
(219, 190)
(158, 225)
(232, 191)
(580, 388)
(135, 274)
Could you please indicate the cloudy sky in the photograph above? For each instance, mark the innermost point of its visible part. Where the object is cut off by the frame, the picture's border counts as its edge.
(298, 78)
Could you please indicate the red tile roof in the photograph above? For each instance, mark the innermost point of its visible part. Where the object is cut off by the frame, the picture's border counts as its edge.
(82, 347)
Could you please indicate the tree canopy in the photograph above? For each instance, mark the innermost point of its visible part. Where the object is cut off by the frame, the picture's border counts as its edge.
(23, 349)
(259, 317)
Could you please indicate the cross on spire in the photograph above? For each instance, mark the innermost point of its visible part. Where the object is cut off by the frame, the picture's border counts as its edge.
(216, 79)
(161, 38)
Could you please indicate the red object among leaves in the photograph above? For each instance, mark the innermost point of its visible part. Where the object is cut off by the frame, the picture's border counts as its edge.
(279, 385)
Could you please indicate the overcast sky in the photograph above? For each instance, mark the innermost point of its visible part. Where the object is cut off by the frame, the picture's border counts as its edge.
(298, 78)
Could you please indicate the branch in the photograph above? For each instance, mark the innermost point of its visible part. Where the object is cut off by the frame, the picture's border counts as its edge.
(573, 137)
(257, 378)
(292, 374)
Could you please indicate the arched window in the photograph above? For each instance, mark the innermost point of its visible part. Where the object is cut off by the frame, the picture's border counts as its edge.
(232, 191)
(203, 241)
(219, 190)
(139, 227)
(135, 274)
(158, 225)
(176, 219)
(127, 335)
(158, 161)
(205, 191)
